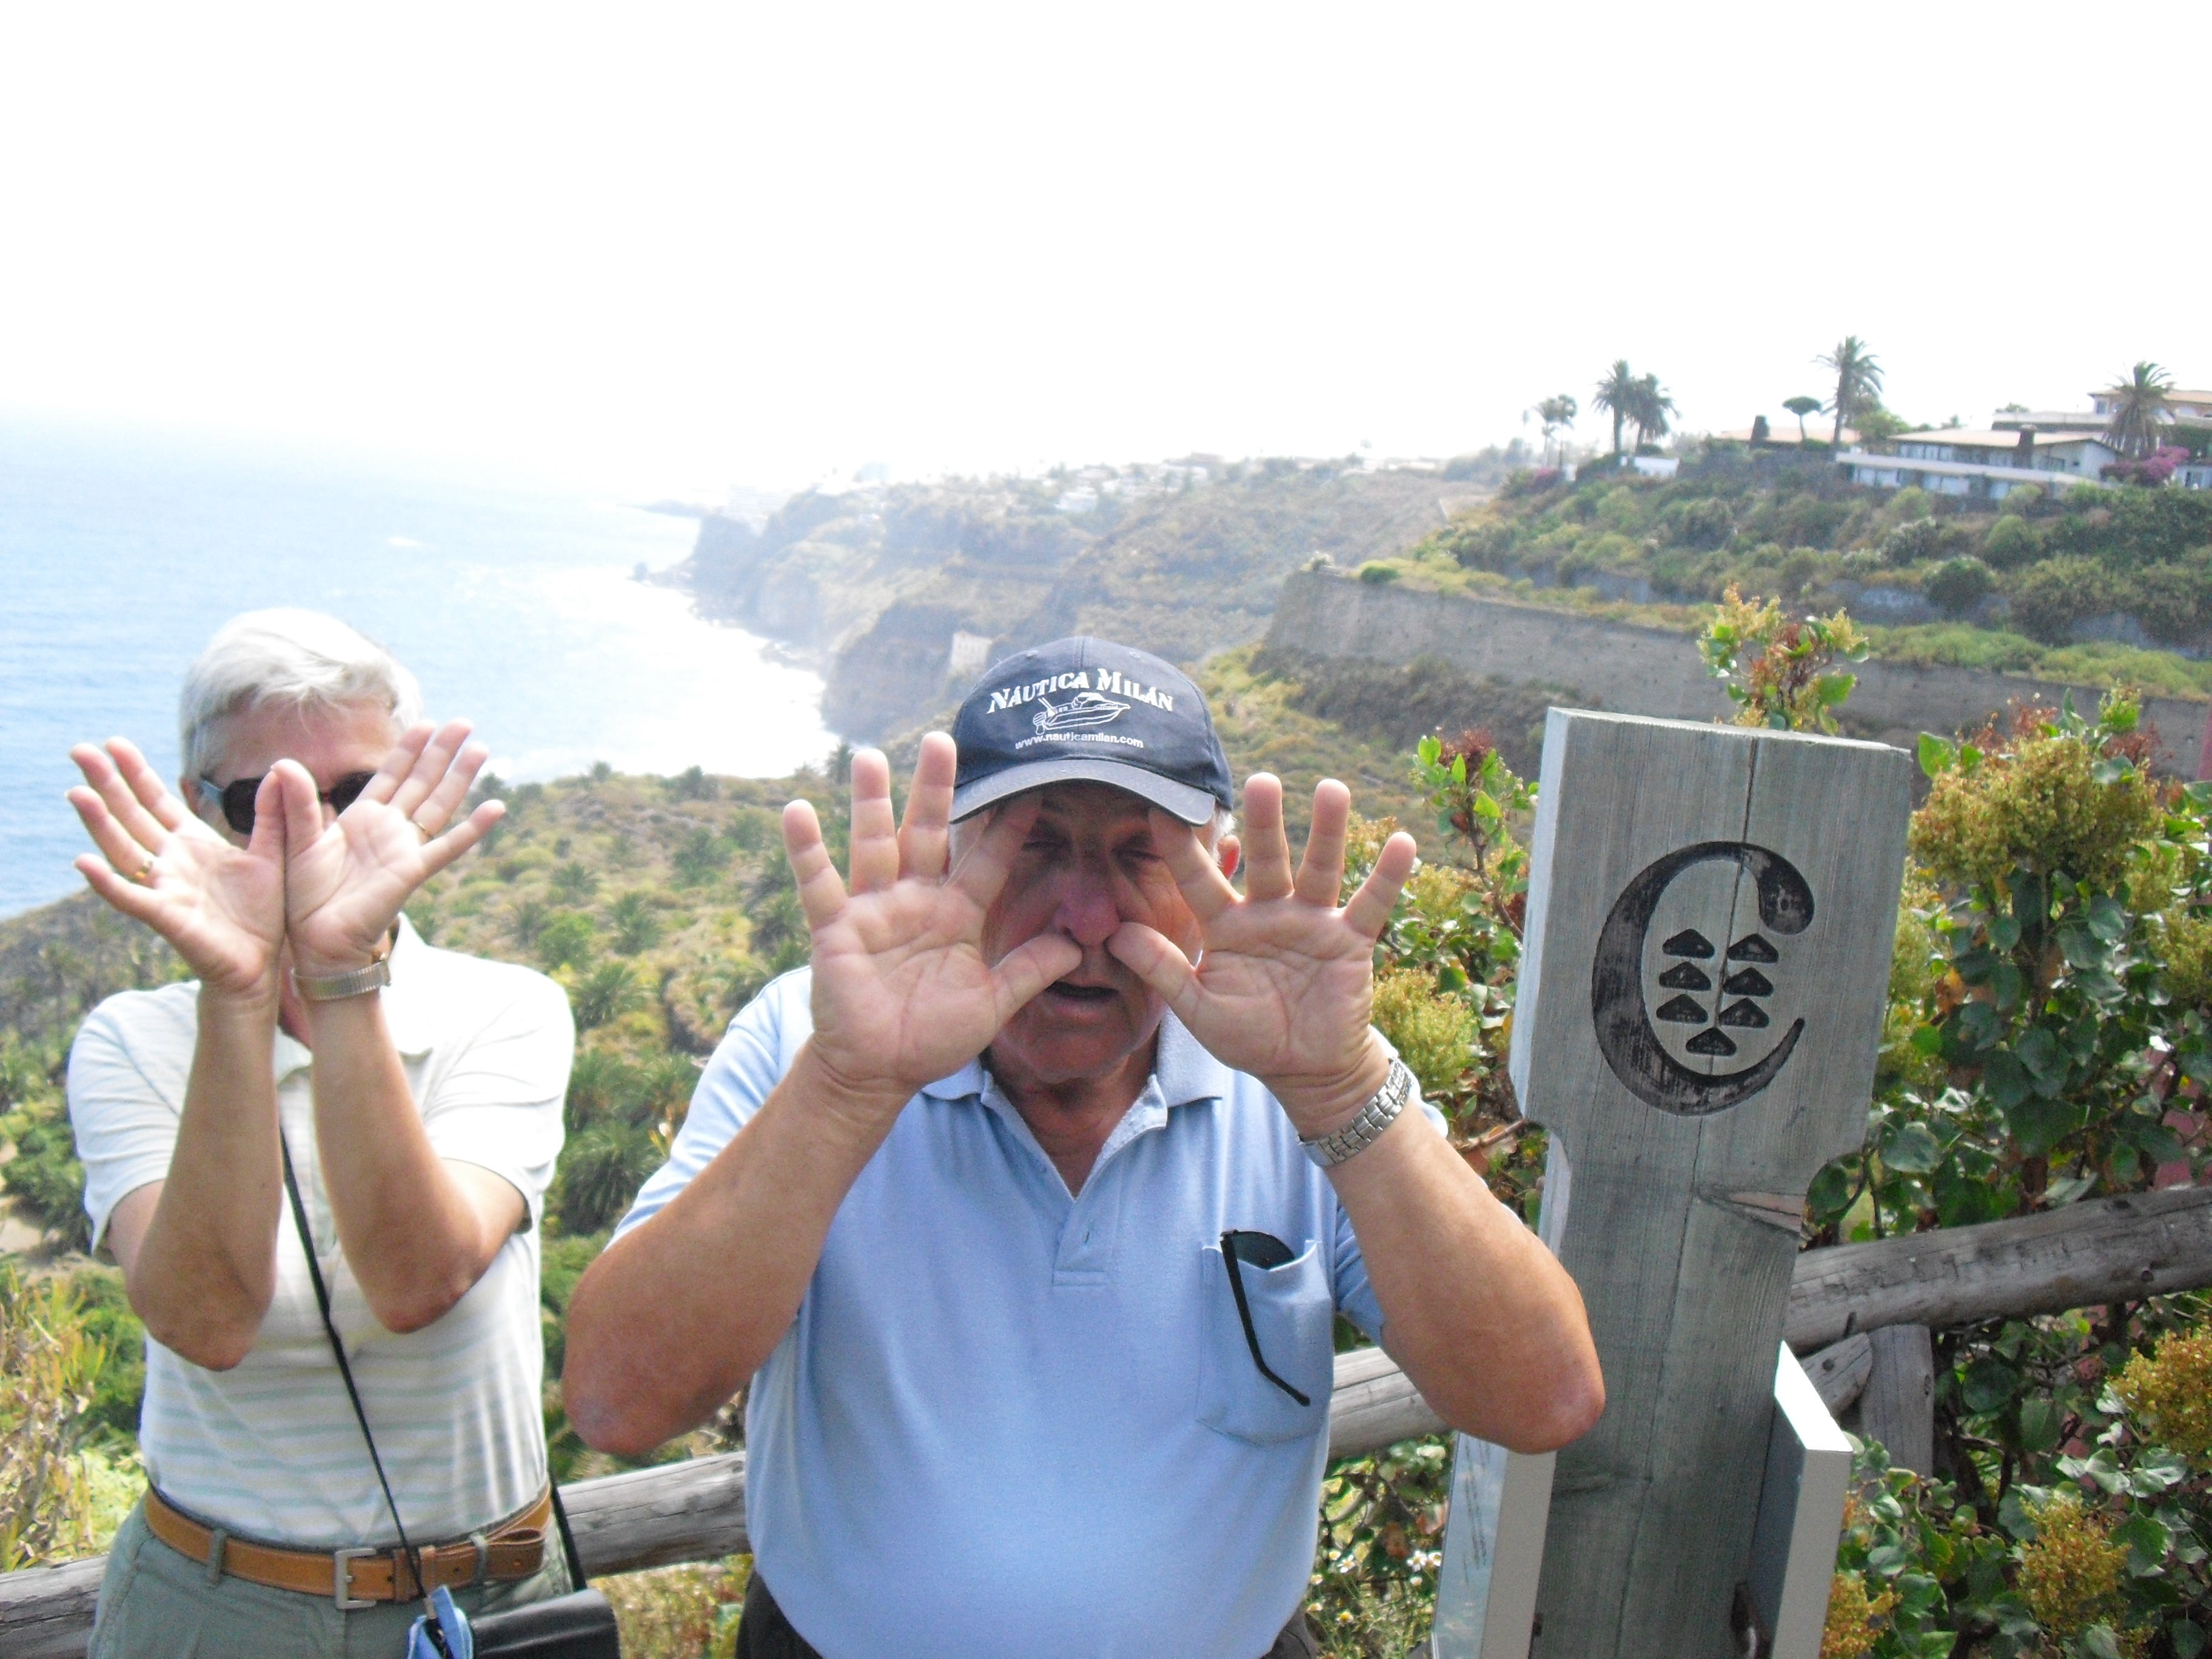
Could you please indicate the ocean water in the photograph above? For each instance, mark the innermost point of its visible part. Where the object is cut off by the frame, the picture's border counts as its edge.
(515, 607)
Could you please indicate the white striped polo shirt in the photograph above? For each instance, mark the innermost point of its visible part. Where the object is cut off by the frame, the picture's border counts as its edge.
(268, 1450)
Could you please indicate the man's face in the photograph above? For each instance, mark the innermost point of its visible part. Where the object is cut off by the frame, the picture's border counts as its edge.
(1087, 867)
(330, 743)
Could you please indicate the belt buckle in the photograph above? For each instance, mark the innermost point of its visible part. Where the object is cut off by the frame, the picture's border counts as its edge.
(342, 1567)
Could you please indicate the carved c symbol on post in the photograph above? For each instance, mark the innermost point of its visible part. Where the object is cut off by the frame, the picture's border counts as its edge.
(1625, 1033)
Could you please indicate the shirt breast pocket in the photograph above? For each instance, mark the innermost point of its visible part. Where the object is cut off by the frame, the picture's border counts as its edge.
(1252, 1395)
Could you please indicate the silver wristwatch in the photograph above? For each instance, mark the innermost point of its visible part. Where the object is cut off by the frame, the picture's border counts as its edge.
(1376, 1115)
(337, 988)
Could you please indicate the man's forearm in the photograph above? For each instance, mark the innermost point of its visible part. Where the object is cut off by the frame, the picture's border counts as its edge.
(1482, 1316)
(203, 1275)
(671, 1322)
(411, 1233)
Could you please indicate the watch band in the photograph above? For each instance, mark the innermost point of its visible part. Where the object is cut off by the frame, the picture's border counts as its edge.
(1376, 1115)
(356, 983)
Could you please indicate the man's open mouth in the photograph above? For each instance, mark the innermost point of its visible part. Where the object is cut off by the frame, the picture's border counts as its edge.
(1083, 993)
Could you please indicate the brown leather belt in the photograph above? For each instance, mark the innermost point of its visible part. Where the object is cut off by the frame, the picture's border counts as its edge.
(359, 1578)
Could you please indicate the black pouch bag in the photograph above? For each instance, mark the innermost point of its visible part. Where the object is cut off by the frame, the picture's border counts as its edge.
(578, 1625)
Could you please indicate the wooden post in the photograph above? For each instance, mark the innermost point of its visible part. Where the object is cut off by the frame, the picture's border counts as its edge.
(1898, 1405)
(1710, 913)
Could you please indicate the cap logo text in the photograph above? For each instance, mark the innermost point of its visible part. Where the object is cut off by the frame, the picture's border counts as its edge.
(1108, 682)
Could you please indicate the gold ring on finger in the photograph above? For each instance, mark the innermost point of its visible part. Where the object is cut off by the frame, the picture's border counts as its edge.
(143, 875)
(422, 829)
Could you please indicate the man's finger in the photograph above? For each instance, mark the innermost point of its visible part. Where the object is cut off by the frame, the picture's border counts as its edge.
(1266, 852)
(438, 808)
(146, 783)
(821, 895)
(926, 832)
(398, 761)
(875, 857)
(124, 853)
(982, 868)
(1205, 889)
(430, 767)
(122, 802)
(1021, 974)
(1153, 958)
(133, 901)
(287, 803)
(1371, 907)
(1321, 874)
(442, 850)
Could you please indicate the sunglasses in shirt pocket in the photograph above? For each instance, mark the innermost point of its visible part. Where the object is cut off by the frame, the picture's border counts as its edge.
(1266, 1356)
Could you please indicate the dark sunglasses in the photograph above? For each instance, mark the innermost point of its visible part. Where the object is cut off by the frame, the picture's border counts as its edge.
(1262, 1250)
(237, 796)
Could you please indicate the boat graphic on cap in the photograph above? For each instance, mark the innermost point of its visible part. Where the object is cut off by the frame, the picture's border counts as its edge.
(1088, 710)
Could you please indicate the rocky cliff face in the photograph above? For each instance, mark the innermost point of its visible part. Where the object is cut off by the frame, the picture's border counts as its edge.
(1184, 560)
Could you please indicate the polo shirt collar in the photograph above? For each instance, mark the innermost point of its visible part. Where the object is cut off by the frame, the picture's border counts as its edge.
(1183, 1073)
(409, 1007)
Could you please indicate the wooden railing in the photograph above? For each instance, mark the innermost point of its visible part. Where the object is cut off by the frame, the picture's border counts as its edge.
(2104, 1250)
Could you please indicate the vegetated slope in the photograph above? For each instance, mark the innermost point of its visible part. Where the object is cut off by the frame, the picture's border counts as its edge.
(877, 581)
(2087, 586)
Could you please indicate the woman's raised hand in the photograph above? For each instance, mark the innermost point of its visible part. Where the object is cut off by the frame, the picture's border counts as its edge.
(1285, 983)
(344, 883)
(904, 993)
(220, 906)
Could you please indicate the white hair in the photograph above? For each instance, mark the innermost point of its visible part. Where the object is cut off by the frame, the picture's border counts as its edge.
(303, 658)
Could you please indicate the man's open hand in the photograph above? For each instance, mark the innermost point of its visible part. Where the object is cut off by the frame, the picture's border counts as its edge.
(903, 994)
(344, 882)
(1286, 981)
(221, 907)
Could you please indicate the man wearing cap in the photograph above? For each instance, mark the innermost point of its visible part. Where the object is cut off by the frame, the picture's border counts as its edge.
(1029, 1207)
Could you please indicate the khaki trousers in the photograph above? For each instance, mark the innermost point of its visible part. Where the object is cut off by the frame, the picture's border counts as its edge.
(157, 1604)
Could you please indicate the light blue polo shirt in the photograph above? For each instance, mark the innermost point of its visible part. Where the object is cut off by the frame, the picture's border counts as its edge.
(1012, 1421)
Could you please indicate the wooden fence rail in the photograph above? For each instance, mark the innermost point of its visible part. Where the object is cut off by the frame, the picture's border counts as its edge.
(2149, 1244)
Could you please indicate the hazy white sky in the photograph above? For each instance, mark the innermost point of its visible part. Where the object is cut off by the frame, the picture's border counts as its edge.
(666, 248)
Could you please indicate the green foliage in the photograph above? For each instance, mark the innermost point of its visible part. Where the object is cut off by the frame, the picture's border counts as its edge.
(566, 940)
(45, 1177)
(1776, 673)
(606, 994)
(50, 1364)
(1382, 1541)
(600, 1173)
(1959, 584)
(2049, 598)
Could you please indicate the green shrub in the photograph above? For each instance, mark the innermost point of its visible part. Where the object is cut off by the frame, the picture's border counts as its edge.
(2174, 601)
(567, 939)
(2011, 542)
(600, 1173)
(636, 922)
(1959, 584)
(45, 1176)
(2048, 598)
(1378, 574)
(604, 995)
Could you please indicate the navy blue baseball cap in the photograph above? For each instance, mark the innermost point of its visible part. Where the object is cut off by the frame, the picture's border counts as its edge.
(1085, 710)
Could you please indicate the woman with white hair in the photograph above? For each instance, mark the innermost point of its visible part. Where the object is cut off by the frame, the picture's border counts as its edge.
(327, 1073)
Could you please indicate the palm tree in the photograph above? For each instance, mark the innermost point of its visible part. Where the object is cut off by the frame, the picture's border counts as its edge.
(1617, 394)
(1554, 413)
(1859, 380)
(1652, 409)
(1800, 407)
(2139, 410)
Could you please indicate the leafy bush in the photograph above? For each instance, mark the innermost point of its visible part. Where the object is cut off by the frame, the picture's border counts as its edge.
(1959, 585)
(567, 939)
(45, 1176)
(2011, 542)
(606, 994)
(1778, 673)
(600, 1173)
(2174, 601)
(2049, 598)
(49, 1366)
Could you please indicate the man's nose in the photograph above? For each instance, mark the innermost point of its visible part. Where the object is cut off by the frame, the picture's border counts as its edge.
(1087, 912)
